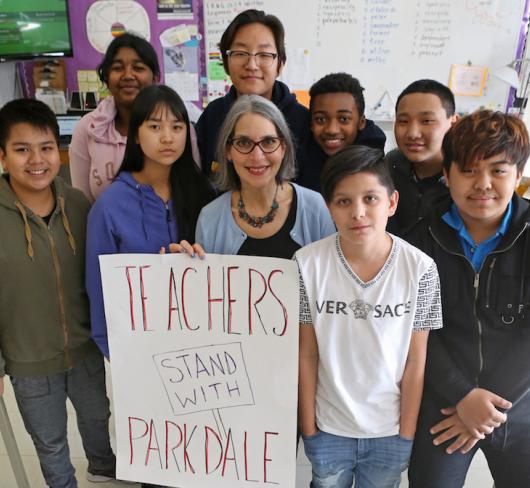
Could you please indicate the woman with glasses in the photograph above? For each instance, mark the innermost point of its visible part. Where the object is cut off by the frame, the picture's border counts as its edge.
(260, 213)
(253, 51)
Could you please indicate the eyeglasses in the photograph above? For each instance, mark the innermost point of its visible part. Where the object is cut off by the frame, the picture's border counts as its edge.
(263, 60)
(244, 145)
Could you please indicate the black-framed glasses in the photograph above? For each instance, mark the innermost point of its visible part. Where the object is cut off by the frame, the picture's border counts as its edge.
(245, 145)
(263, 59)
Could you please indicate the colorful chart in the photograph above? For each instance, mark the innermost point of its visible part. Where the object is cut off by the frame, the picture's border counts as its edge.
(110, 18)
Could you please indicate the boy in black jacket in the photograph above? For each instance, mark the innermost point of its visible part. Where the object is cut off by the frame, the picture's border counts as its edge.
(477, 388)
(425, 111)
(337, 121)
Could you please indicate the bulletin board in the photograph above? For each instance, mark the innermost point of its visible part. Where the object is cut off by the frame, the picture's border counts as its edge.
(174, 28)
(387, 44)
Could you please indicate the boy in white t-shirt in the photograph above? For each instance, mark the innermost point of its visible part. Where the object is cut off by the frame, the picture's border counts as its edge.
(367, 302)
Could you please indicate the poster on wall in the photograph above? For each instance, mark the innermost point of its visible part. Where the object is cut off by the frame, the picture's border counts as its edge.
(107, 19)
(174, 9)
(180, 47)
(204, 361)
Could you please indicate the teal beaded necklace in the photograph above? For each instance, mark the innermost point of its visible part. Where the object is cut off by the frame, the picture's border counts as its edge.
(258, 222)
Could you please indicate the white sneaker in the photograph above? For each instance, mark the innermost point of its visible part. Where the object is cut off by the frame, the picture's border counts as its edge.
(102, 478)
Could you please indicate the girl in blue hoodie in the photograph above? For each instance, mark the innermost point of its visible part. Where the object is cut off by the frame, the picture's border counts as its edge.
(155, 199)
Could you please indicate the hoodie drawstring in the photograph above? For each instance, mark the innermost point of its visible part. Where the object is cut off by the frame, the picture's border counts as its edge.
(66, 224)
(27, 230)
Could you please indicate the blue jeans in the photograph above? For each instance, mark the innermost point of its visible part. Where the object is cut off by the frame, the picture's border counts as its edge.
(374, 462)
(42, 404)
(507, 451)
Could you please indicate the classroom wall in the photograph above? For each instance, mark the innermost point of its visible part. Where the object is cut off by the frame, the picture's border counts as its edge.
(99, 20)
(86, 57)
(9, 90)
(208, 13)
(387, 44)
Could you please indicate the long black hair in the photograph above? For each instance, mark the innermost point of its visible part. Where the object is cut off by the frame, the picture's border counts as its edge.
(190, 190)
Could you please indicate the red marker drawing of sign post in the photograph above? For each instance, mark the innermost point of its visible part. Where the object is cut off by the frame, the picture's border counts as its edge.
(205, 378)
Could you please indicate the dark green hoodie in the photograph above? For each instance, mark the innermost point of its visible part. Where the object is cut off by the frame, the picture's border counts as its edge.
(44, 315)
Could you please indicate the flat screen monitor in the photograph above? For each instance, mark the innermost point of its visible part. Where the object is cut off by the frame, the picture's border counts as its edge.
(34, 29)
(67, 124)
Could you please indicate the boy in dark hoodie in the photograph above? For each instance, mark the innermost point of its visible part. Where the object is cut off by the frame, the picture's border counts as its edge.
(425, 111)
(477, 380)
(337, 121)
(45, 344)
(253, 51)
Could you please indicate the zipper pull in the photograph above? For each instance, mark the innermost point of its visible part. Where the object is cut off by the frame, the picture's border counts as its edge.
(477, 279)
(168, 214)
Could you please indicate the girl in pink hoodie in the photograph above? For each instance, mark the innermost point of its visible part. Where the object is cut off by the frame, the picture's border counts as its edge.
(99, 139)
(98, 142)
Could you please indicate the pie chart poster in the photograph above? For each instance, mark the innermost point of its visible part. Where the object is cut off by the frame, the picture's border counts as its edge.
(204, 365)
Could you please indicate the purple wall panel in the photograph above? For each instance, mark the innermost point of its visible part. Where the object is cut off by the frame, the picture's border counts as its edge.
(86, 57)
(520, 48)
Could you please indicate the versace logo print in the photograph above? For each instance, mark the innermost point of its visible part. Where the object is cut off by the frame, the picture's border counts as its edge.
(360, 308)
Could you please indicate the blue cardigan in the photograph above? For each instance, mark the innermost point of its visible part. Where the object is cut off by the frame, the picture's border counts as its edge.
(128, 217)
(218, 232)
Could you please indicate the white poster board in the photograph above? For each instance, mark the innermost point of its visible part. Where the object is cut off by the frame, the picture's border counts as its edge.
(204, 364)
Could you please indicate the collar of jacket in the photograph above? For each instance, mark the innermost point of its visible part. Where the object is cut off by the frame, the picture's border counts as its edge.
(9, 199)
(403, 165)
(447, 236)
(281, 96)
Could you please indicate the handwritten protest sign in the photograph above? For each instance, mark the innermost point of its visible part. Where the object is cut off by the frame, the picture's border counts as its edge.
(205, 378)
(204, 360)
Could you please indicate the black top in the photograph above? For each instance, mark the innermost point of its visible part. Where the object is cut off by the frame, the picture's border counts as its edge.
(279, 245)
(417, 197)
(430, 183)
(47, 218)
(311, 158)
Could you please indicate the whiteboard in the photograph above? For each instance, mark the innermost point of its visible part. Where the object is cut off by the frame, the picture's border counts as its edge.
(387, 44)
